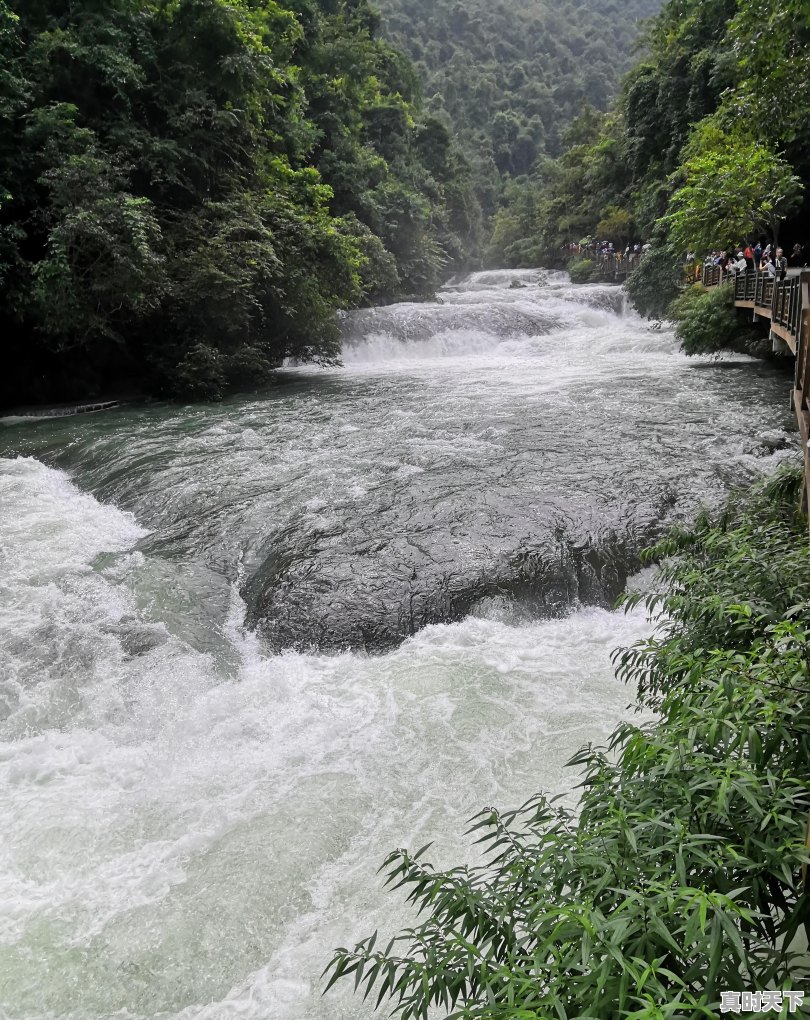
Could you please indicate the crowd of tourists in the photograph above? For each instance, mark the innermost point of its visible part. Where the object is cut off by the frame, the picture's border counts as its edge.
(749, 258)
(611, 255)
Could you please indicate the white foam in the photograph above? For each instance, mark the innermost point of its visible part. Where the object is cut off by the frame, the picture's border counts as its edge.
(190, 825)
(50, 527)
(190, 841)
(486, 316)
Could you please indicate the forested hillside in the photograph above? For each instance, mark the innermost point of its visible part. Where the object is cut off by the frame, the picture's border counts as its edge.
(189, 190)
(708, 143)
(511, 75)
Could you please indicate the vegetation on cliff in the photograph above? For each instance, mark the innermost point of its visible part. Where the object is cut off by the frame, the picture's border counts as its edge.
(709, 142)
(681, 876)
(189, 189)
(509, 76)
(706, 322)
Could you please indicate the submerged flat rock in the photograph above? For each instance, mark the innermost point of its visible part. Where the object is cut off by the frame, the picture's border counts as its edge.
(370, 591)
(505, 453)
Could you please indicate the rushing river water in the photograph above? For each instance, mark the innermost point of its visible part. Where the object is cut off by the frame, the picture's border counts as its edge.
(246, 649)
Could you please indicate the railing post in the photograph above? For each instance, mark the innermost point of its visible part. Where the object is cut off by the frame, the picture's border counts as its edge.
(802, 377)
(793, 305)
(803, 336)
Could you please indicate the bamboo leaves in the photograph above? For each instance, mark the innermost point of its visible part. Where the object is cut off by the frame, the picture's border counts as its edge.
(683, 875)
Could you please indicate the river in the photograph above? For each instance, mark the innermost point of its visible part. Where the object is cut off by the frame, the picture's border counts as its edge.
(248, 648)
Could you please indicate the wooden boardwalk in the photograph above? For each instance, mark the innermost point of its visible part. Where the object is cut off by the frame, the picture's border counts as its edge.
(786, 305)
(615, 268)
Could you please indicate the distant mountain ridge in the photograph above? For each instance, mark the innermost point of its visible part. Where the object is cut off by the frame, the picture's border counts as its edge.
(511, 75)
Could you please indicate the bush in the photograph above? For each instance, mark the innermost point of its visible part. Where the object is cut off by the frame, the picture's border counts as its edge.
(583, 270)
(656, 282)
(708, 322)
(682, 876)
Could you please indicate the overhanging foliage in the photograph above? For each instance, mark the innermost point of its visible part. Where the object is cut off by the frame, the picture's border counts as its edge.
(732, 187)
(191, 189)
(682, 877)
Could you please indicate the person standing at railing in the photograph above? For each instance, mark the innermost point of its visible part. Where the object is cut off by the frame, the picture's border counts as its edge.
(797, 256)
(748, 254)
(739, 265)
(781, 264)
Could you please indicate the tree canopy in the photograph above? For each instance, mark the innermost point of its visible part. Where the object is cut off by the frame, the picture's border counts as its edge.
(708, 142)
(189, 190)
(509, 76)
(731, 187)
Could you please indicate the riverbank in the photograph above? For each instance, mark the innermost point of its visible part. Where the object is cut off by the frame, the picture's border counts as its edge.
(34, 412)
(683, 877)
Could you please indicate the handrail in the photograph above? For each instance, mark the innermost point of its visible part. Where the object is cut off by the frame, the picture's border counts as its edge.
(786, 302)
(614, 267)
(778, 300)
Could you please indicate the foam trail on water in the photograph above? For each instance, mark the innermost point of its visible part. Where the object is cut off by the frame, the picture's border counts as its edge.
(192, 834)
(190, 823)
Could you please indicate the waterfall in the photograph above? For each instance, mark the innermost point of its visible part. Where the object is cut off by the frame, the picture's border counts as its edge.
(248, 648)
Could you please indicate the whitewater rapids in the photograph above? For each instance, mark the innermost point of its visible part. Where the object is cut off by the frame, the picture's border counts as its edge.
(196, 790)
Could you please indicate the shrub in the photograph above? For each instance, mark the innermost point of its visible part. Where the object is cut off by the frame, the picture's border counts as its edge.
(682, 877)
(583, 270)
(708, 322)
(656, 282)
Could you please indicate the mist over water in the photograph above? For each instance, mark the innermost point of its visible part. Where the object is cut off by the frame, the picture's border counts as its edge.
(201, 765)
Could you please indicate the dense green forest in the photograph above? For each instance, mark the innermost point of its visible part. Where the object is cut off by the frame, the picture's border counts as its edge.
(189, 189)
(708, 143)
(509, 76)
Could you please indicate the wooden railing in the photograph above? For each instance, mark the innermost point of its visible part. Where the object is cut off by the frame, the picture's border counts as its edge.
(801, 389)
(787, 304)
(608, 268)
(614, 267)
(768, 297)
